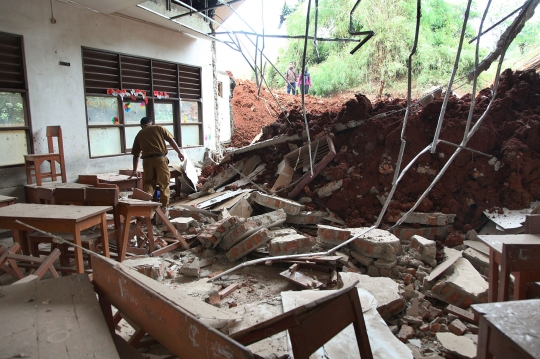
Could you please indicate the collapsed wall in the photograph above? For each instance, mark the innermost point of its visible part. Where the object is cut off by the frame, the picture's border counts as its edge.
(366, 155)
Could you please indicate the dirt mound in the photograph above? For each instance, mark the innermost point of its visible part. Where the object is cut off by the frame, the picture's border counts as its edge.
(252, 112)
(367, 154)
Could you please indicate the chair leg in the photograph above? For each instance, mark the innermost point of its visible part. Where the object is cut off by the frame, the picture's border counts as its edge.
(48, 265)
(37, 171)
(52, 163)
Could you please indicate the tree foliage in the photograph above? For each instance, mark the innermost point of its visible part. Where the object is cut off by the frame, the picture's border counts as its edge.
(384, 57)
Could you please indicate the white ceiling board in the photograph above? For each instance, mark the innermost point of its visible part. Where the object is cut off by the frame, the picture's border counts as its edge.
(223, 12)
(510, 219)
(108, 6)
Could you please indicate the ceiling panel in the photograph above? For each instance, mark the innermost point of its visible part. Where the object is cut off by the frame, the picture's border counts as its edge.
(108, 6)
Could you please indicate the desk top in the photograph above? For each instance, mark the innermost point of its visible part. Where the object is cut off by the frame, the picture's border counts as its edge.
(53, 185)
(55, 318)
(114, 177)
(7, 198)
(48, 211)
(496, 241)
(138, 203)
(518, 320)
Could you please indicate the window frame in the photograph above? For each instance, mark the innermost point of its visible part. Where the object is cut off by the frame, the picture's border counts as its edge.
(26, 105)
(160, 77)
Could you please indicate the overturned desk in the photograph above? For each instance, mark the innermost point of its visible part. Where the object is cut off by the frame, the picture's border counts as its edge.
(55, 318)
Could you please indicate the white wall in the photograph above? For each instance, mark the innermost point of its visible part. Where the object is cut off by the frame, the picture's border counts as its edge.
(56, 92)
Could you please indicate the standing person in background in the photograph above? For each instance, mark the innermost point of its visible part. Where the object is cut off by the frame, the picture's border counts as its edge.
(304, 82)
(290, 76)
(232, 83)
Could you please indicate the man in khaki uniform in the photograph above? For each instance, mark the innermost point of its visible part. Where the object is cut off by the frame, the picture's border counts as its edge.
(151, 142)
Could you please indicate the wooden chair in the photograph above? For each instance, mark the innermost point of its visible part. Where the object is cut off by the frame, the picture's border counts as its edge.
(44, 195)
(522, 261)
(88, 179)
(10, 262)
(33, 162)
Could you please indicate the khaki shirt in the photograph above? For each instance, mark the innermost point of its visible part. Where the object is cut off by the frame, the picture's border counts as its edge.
(151, 141)
(290, 75)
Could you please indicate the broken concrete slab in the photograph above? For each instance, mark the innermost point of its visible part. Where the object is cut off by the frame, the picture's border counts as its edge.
(306, 217)
(153, 267)
(429, 219)
(332, 235)
(457, 345)
(270, 219)
(281, 232)
(383, 343)
(423, 249)
(365, 261)
(479, 246)
(328, 189)
(249, 244)
(479, 260)
(274, 202)
(238, 233)
(242, 209)
(213, 234)
(191, 269)
(451, 256)
(457, 327)
(385, 290)
(244, 180)
(377, 243)
(223, 177)
(183, 223)
(290, 244)
(462, 287)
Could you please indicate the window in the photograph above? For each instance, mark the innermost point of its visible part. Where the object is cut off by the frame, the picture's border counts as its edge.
(172, 91)
(220, 89)
(15, 131)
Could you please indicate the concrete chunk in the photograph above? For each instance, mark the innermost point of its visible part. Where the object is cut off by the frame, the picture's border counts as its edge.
(238, 233)
(249, 244)
(479, 260)
(182, 223)
(385, 290)
(290, 207)
(377, 243)
(457, 345)
(429, 219)
(270, 219)
(366, 261)
(306, 217)
(291, 244)
(462, 287)
(423, 249)
(426, 232)
(282, 232)
(332, 235)
(328, 189)
(457, 327)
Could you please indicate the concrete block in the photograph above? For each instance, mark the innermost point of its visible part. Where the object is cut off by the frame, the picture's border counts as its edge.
(423, 249)
(426, 232)
(290, 207)
(463, 347)
(191, 269)
(384, 264)
(270, 219)
(377, 243)
(282, 232)
(462, 286)
(306, 217)
(457, 327)
(154, 268)
(429, 219)
(479, 260)
(238, 233)
(385, 291)
(405, 333)
(291, 244)
(366, 261)
(212, 234)
(183, 223)
(249, 244)
(332, 235)
(329, 188)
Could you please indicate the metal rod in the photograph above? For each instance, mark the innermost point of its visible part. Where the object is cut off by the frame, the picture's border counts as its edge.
(315, 32)
(369, 33)
(336, 39)
(496, 24)
(465, 148)
(454, 70)
(304, 85)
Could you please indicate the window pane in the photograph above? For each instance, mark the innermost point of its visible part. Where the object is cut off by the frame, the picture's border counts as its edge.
(164, 112)
(134, 111)
(11, 110)
(13, 147)
(102, 110)
(105, 141)
(189, 111)
(190, 135)
(131, 132)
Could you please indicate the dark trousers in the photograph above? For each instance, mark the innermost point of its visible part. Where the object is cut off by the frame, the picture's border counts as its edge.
(302, 88)
(291, 86)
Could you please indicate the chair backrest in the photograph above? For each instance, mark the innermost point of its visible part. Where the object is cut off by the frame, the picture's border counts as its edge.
(44, 195)
(75, 196)
(88, 179)
(532, 224)
(55, 131)
(138, 194)
(521, 257)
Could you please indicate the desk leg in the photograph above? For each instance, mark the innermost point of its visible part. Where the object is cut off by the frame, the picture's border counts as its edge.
(150, 233)
(493, 277)
(21, 238)
(122, 246)
(483, 340)
(79, 264)
(105, 235)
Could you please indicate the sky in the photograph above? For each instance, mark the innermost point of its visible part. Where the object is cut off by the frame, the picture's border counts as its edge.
(250, 12)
